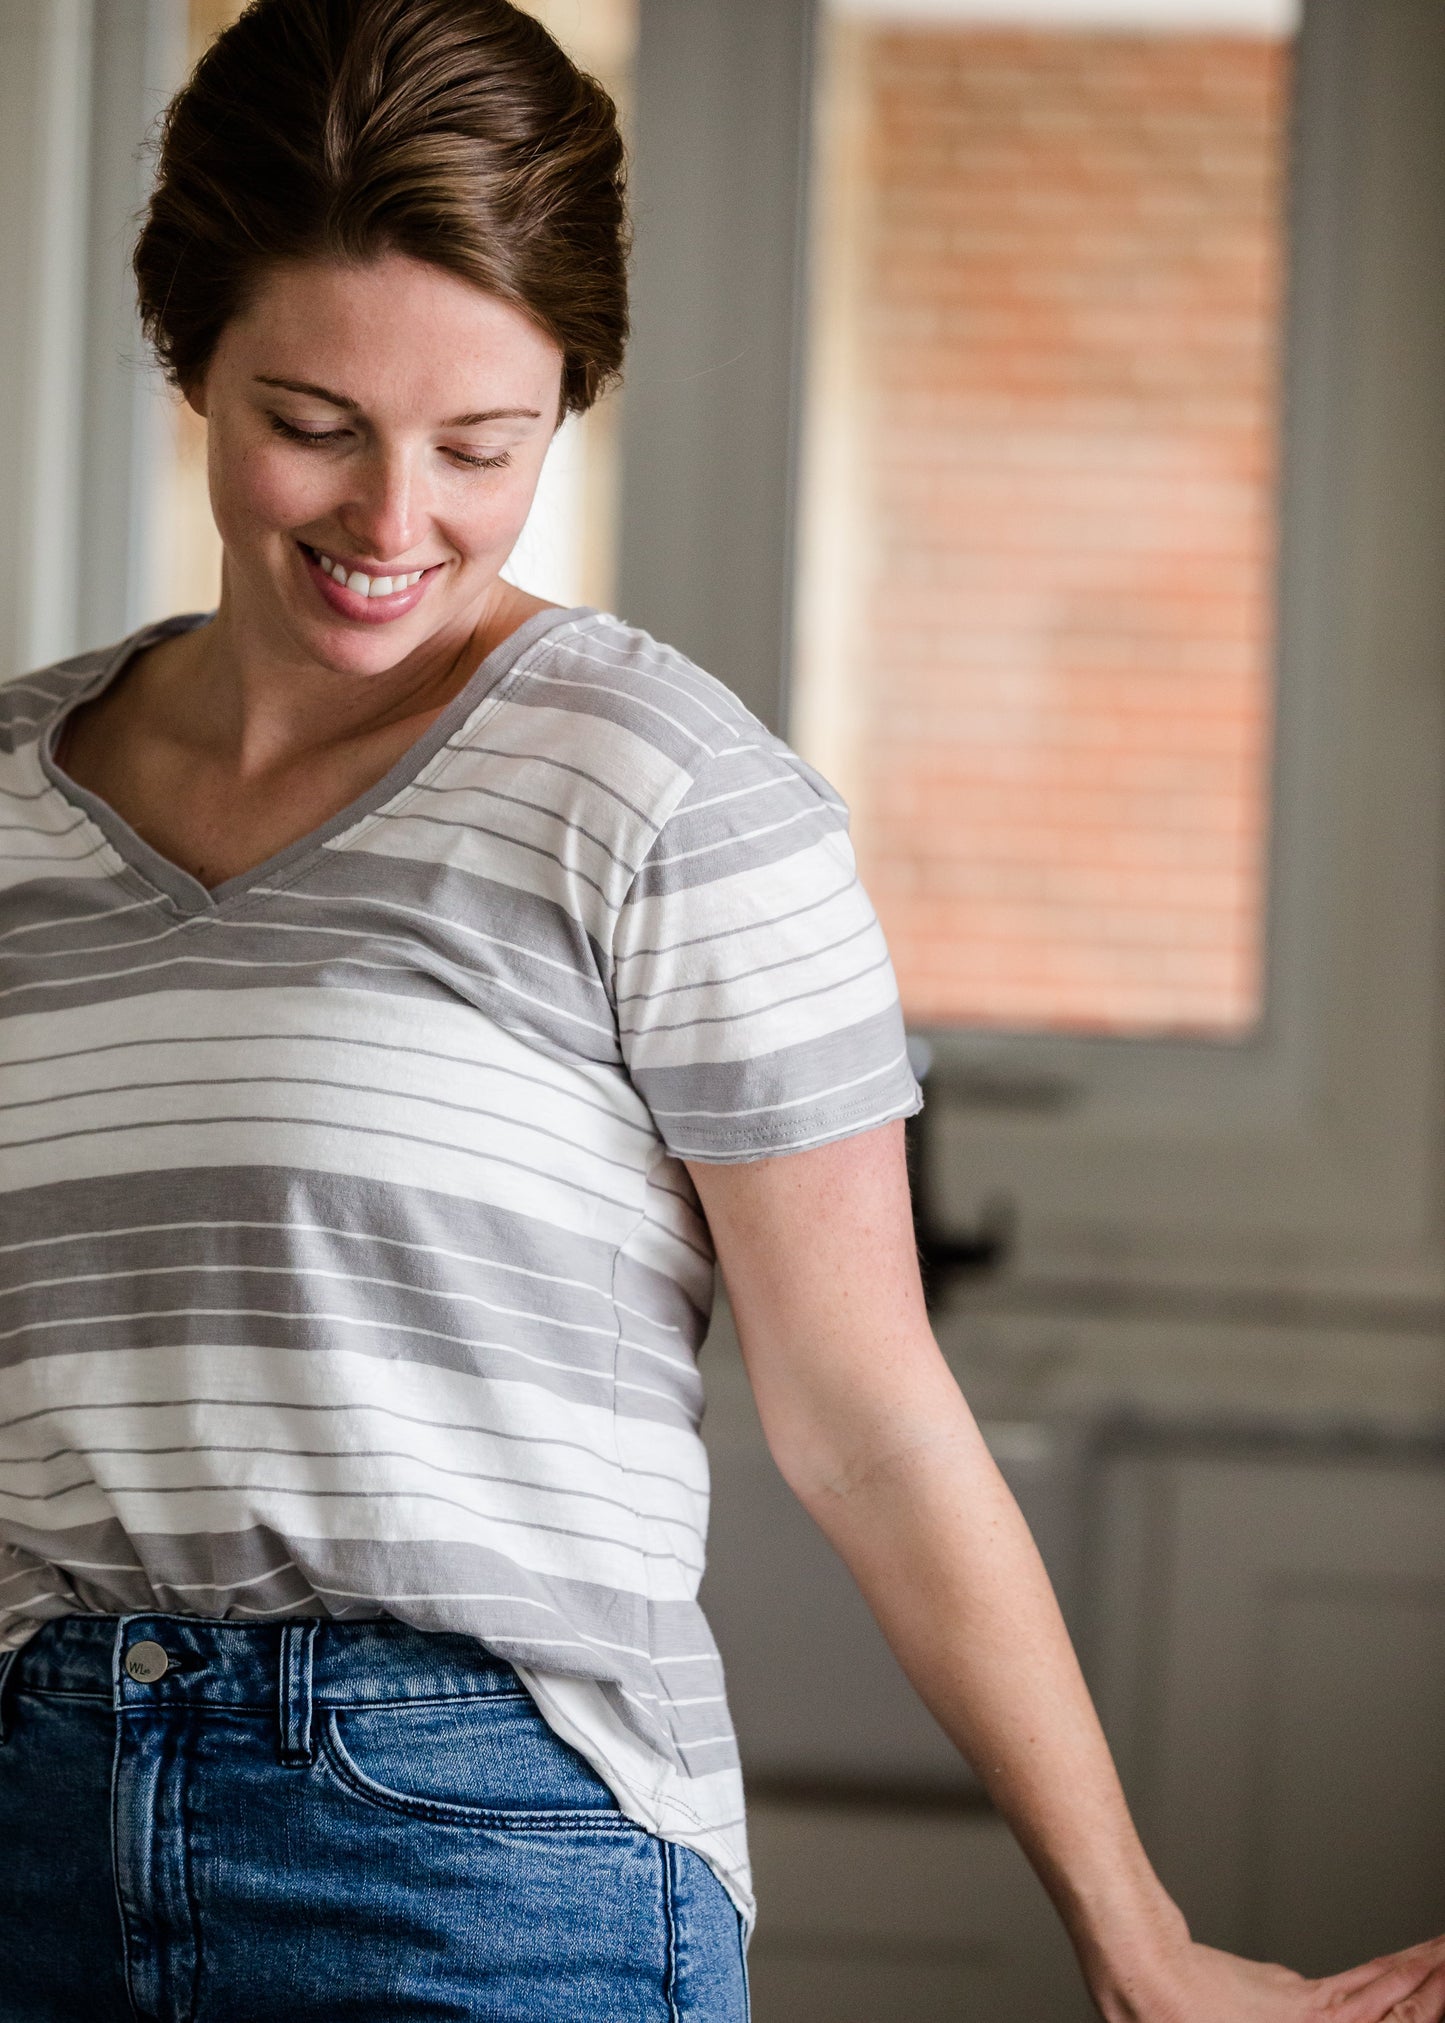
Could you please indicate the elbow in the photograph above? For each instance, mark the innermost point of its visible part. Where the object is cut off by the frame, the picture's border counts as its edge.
(828, 1463)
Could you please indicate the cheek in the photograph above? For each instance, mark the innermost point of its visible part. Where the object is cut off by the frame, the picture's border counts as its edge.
(257, 489)
(491, 516)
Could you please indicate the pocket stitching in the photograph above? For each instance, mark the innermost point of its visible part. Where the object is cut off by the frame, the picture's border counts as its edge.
(349, 1704)
(446, 1812)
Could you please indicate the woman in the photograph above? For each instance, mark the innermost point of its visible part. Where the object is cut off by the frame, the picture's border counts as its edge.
(407, 983)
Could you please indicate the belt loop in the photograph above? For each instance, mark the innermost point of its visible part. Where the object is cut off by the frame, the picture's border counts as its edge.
(297, 1640)
(7, 1674)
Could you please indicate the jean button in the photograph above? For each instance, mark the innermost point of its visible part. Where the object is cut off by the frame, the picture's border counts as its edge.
(146, 1662)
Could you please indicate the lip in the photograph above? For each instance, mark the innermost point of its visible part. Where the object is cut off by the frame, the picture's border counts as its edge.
(366, 610)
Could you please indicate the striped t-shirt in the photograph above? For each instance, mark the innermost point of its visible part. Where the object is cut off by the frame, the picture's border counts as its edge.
(348, 1260)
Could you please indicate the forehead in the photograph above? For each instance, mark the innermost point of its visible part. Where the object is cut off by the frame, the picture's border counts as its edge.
(392, 330)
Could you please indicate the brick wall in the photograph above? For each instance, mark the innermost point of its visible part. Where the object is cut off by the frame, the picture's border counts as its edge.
(1063, 280)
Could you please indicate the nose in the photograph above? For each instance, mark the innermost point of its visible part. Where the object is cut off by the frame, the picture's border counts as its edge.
(385, 516)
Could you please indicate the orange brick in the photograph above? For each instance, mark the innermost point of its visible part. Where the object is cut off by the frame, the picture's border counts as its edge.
(1067, 312)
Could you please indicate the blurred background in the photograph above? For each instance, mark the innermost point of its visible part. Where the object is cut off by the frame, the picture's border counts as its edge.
(1037, 414)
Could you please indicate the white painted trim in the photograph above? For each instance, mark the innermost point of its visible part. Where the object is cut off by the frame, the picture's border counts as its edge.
(1248, 17)
(140, 51)
(45, 116)
(82, 419)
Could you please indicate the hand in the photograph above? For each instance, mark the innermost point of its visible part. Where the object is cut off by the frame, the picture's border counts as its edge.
(1204, 1986)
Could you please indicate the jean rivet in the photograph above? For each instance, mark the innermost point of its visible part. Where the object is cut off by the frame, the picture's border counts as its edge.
(146, 1662)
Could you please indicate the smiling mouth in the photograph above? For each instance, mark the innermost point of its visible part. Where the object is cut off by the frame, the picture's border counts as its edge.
(358, 581)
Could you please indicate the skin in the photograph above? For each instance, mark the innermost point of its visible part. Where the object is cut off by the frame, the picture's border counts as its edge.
(223, 746)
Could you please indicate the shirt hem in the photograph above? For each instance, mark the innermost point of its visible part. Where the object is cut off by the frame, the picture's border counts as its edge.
(639, 1781)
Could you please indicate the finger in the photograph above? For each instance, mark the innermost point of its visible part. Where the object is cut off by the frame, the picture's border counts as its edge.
(1427, 1952)
(1426, 2004)
(1384, 1995)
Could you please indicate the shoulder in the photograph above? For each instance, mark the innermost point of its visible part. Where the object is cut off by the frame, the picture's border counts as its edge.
(600, 667)
(677, 731)
(28, 702)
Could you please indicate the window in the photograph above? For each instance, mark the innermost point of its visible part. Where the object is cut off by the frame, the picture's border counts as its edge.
(1036, 628)
(1270, 1133)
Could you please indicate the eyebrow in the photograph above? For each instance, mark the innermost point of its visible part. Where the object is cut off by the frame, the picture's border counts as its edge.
(350, 406)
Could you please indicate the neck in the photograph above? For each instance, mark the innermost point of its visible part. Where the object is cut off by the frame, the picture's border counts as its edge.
(245, 693)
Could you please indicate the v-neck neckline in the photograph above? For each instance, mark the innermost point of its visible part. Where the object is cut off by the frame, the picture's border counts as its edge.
(187, 894)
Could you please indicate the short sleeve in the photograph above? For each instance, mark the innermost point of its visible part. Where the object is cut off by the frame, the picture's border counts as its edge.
(756, 1000)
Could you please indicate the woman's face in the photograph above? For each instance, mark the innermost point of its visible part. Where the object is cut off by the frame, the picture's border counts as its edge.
(372, 422)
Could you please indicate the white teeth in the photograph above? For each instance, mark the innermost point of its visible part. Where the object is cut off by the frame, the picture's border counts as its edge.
(364, 585)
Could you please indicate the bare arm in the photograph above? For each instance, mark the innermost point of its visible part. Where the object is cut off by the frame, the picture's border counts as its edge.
(871, 1432)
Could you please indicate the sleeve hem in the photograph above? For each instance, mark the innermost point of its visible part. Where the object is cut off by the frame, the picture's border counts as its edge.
(727, 1150)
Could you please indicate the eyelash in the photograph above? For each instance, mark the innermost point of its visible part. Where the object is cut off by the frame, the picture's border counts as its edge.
(318, 436)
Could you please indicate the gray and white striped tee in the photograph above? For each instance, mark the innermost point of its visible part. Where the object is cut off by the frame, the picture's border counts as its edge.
(348, 1260)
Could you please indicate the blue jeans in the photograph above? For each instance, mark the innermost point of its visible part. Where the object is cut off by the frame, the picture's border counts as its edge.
(221, 1822)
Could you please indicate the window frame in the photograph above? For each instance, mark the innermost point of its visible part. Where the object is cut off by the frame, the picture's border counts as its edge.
(80, 86)
(1304, 1158)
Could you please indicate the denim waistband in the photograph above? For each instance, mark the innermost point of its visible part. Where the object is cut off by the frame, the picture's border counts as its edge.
(285, 1667)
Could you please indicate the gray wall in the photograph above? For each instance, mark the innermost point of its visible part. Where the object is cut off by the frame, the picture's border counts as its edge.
(710, 406)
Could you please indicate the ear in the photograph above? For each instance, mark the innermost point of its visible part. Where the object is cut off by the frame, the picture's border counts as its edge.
(194, 396)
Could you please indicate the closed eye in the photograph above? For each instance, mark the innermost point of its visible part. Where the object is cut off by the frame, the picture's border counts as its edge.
(293, 434)
(306, 435)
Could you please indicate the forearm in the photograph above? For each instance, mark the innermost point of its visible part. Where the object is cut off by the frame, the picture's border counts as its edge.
(935, 1540)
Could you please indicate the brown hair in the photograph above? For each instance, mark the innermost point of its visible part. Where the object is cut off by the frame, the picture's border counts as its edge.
(455, 131)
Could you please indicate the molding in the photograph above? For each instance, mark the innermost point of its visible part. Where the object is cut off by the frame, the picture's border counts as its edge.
(139, 55)
(79, 84)
(709, 411)
(44, 129)
(1159, 17)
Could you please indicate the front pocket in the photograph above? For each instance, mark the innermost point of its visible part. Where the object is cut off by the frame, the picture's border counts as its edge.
(489, 1761)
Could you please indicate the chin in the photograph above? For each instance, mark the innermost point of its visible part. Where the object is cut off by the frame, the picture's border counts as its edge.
(352, 649)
